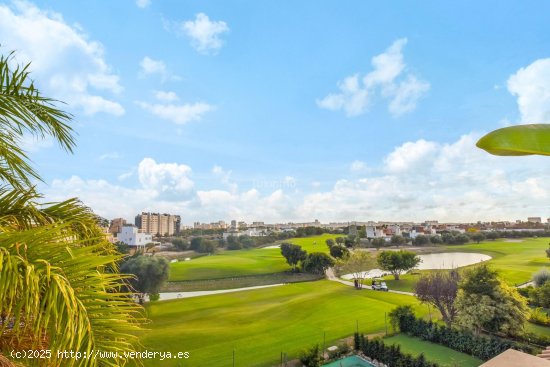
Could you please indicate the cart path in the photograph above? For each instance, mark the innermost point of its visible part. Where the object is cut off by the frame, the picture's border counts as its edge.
(332, 277)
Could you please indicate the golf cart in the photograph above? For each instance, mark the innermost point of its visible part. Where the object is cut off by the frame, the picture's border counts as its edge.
(378, 284)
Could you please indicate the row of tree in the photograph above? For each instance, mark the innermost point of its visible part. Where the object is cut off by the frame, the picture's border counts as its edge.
(315, 262)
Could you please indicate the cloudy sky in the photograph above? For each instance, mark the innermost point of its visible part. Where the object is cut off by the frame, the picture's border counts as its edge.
(290, 111)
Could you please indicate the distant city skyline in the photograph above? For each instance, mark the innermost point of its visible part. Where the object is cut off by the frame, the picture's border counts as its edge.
(289, 111)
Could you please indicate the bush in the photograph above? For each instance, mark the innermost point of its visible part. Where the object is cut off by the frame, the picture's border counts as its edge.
(540, 297)
(538, 316)
(541, 277)
(311, 357)
(390, 355)
(339, 252)
(480, 346)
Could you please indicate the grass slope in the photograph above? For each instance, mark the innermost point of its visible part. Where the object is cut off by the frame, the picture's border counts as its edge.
(230, 264)
(515, 261)
(260, 324)
(443, 356)
(239, 263)
(314, 243)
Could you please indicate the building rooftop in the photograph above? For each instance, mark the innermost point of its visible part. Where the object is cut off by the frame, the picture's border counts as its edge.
(514, 358)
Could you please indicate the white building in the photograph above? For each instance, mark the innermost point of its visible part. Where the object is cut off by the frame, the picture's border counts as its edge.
(131, 236)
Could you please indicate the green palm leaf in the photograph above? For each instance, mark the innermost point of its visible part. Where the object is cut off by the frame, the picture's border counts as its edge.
(518, 140)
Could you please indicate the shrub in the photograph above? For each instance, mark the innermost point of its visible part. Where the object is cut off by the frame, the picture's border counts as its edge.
(541, 277)
(480, 346)
(390, 355)
(311, 357)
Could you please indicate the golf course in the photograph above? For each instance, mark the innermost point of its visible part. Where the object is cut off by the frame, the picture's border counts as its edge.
(238, 263)
(516, 261)
(260, 324)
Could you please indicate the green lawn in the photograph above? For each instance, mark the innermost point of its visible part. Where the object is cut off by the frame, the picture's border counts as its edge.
(515, 261)
(260, 324)
(443, 356)
(314, 243)
(230, 264)
(240, 263)
(537, 329)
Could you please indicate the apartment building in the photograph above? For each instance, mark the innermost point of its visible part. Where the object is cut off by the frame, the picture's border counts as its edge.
(158, 224)
(116, 225)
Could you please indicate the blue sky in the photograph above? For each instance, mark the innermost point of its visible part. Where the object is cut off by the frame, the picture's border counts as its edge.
(290, 110)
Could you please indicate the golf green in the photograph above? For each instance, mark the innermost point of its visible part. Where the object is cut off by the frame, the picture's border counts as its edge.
(259, 325)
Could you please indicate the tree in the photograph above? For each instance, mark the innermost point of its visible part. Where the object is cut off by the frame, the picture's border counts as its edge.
(207, 246)
(478, 237)
(339, 240)
(180, 244)
(421, 240)
(540, 277)
(339, 252)
(311, 357)
(357, 264)
(397, 240)
(330, 242)
(397, 262)
(293, 254)
(196, 243)
(440, 290)
(351, 240)
(317, 263)
(492, 235)
(151, 272)
(379, 242)
(59, 278)
(399, 315)
(486, 303)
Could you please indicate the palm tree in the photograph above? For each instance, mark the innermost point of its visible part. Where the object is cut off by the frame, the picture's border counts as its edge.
(60, 288)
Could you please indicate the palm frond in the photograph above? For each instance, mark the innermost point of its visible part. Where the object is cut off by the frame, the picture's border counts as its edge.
(24, 110)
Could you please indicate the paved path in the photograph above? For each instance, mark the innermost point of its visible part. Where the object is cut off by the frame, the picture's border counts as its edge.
(176, 295)
(331, 276)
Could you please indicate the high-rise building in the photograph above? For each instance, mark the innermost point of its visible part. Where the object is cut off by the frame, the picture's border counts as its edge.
(158, 224)
(116, 225)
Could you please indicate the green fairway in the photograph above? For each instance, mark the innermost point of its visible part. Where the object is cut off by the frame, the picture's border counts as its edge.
(443, 356)
(515, 261)
(230, 264)
(260, 324)
(315, 243)
(240, 263)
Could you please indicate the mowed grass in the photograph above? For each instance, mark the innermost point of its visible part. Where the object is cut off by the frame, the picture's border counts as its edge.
(260, 324)
(445, 357)
(314, 243)
(230, 264)
(238, 263)
(515, 261)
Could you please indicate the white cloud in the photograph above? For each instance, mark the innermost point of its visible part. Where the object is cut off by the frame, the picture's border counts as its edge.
(143, 3)
(531, 86)
(110, 155)
(358, 167)
(69, 65)
(203, 32)
(165, 96)
(388, 79)
(419, 180)
(165, 179)
(149, 66)
(179, 114)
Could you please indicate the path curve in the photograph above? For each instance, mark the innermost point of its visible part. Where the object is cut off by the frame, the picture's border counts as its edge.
(334, 278)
